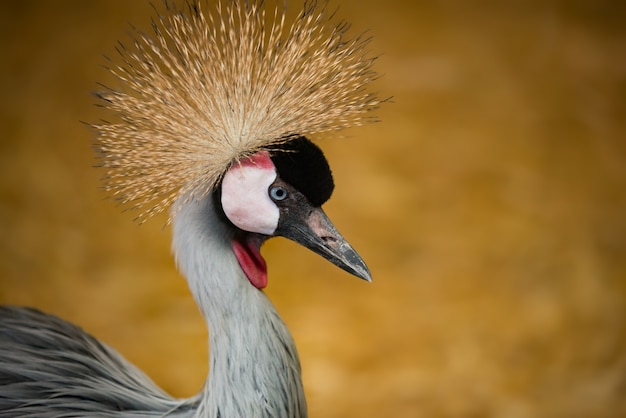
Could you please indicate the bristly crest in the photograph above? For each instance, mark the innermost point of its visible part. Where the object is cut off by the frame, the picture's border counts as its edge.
(210, 87)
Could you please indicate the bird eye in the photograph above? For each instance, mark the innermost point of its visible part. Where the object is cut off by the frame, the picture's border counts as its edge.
(278, 193)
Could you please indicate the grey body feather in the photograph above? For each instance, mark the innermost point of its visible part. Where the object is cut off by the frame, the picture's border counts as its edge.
(51, 368)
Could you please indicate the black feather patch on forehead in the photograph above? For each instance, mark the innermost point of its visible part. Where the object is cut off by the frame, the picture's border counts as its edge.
(302, 164)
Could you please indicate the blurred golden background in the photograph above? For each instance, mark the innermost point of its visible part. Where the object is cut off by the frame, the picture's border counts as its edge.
(490, 205)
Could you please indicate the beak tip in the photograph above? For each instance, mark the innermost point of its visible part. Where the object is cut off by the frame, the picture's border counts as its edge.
(363, 274)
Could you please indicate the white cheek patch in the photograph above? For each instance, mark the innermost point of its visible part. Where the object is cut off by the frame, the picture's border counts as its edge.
(245, 199)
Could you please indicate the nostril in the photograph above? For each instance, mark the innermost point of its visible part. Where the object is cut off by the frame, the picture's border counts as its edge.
(329, 240)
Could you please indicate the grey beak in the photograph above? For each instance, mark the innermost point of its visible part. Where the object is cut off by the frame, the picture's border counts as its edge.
(316, 232)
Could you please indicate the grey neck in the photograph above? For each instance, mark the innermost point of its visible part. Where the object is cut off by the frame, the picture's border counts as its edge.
(254, 365)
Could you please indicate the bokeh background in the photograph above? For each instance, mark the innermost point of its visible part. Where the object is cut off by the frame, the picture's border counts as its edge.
(489, 203)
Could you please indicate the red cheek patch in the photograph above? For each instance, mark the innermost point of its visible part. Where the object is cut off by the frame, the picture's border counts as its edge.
(261, 160)
(248, 255)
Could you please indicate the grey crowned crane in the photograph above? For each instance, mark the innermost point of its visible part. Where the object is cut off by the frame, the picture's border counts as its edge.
(210, 120)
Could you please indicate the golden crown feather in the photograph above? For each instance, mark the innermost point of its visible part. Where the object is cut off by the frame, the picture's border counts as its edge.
(210, 87)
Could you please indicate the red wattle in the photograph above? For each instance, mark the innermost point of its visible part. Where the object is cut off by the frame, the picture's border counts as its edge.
(251, 262)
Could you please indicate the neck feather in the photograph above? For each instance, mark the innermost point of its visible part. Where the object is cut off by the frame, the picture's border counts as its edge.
(254, 366)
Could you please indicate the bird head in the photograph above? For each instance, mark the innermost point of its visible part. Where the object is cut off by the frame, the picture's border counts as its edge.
(280, 193)
(218, 101)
